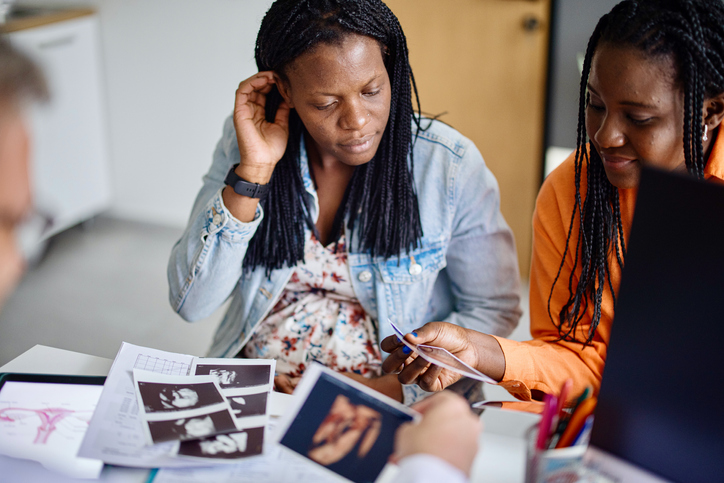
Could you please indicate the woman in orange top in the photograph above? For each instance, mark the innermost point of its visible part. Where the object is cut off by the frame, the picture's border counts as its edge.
(652, 94)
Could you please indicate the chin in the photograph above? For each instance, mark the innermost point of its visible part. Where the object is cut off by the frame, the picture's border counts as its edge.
(624, 181)
(356, 159)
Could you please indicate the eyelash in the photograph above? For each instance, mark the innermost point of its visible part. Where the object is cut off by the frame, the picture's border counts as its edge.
(637, 122)
(368, 94)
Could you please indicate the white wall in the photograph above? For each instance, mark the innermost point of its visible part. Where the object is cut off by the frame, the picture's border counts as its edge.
(171, 68)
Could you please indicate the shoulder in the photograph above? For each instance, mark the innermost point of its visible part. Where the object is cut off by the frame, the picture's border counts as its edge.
(437, 137)
(559, 187)
(437, 134)
(441, 152)
(556, 200)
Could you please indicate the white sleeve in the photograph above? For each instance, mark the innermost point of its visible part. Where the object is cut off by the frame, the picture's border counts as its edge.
(423, 468)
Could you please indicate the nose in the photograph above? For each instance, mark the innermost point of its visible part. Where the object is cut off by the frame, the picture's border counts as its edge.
(355, 116)
(609, 133)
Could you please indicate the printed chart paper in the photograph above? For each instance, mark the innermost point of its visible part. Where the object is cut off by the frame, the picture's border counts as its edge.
(46, 422)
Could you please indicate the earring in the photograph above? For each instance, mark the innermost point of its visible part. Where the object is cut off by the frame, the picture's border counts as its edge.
(706, 133)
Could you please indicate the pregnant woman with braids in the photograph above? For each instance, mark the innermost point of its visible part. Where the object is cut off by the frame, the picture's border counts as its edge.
(331, 207)
(651, 94)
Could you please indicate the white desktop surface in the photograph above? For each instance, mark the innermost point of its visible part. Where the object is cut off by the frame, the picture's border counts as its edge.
(501, 458)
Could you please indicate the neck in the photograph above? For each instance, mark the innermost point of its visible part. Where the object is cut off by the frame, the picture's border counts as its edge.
(331, 178)
(326, 165)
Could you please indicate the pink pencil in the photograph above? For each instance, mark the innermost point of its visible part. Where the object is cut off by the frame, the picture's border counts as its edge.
(565, 392)
(544, 428)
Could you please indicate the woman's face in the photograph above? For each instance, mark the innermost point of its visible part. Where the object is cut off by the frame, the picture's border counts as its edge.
(635, 113)
(342, 95)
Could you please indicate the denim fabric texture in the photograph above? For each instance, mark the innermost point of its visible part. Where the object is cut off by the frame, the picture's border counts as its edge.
(467, 275)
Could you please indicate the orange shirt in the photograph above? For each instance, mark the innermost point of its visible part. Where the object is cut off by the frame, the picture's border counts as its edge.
(544, 363)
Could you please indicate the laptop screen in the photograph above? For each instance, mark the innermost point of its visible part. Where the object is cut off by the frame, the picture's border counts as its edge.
(660, 405)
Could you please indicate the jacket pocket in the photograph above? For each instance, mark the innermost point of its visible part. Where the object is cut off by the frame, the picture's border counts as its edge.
(413, 267)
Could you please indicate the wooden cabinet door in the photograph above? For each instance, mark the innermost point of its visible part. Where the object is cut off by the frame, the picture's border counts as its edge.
(483, 64)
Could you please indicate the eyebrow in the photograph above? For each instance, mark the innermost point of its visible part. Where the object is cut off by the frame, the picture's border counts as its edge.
(626, 103)
(321, 93)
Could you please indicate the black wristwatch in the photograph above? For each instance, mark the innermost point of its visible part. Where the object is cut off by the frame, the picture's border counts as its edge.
(243, 187)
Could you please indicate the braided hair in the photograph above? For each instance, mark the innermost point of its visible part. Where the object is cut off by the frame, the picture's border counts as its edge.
(380, 200)
(691, 32)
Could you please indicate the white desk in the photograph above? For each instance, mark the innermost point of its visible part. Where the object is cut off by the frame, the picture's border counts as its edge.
(501, 458)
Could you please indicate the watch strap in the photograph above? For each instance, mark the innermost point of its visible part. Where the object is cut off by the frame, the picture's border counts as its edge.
(243, 187)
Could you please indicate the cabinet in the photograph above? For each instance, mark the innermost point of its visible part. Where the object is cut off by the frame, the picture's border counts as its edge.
(70, 168)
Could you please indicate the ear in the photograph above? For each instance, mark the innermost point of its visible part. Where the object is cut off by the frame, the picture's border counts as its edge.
(712, 111)
(284, 89)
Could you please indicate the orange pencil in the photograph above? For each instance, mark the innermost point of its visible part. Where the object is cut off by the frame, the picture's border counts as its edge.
(578, 419)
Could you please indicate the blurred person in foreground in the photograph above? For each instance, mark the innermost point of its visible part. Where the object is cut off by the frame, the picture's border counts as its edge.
(442, 445)
(20, 83)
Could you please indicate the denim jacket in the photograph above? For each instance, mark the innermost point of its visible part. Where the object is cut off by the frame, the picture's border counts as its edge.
(465, 271)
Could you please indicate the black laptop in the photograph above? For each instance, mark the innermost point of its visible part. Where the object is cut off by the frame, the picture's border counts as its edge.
(660, 413)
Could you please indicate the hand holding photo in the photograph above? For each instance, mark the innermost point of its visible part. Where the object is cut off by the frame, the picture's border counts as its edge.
(443, 358)
(342, 425)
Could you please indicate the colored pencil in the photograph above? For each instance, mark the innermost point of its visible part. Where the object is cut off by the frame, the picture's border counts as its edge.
(544, 427)
(575, 424)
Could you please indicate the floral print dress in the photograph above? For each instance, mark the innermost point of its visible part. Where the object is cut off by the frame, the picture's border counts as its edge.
(318, 318)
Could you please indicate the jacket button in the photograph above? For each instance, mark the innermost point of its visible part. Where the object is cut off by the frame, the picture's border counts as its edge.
(217, 219)
(415, 269)
(365, 276)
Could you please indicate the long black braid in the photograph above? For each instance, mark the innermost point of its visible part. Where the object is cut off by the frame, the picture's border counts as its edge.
(692, 33)
(380, 200)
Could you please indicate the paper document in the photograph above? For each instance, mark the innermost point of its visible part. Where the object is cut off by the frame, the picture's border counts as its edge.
(120, 432)
(115, 434)
(46, 422)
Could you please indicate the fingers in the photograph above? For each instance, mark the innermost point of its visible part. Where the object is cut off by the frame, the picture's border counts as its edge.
(261, 82)
(282, 116)
(251, 94)
(440, 399)
(283, 384)
(412, 370)
(430, 379)
(390, 343)
(429, 333)
(398, 359)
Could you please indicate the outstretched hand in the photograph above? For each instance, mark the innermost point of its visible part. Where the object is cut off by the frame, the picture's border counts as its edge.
(448, 430)
(478, 350)
(261, 143)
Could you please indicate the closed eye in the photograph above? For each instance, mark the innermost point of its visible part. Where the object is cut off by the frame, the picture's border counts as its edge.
(325, 106)
(639, 121)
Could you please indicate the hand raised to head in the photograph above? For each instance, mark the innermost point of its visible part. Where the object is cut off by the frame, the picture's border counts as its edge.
(261, 143)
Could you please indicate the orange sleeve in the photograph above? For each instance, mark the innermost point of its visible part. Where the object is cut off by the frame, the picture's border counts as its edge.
(545, 362)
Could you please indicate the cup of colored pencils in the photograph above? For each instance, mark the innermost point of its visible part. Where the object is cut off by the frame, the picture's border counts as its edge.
(556, 445)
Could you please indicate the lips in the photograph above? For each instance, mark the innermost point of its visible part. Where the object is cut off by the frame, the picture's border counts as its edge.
(358, 145)
(616, 162)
